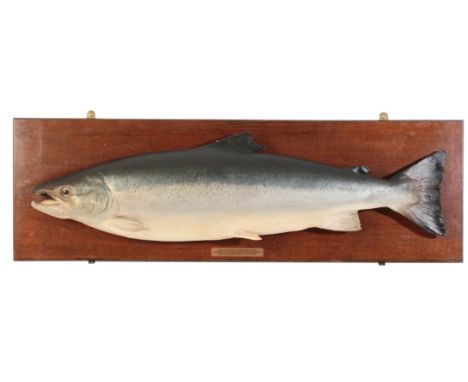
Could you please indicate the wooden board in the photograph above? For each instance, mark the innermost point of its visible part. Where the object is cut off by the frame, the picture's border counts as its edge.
(49, 148)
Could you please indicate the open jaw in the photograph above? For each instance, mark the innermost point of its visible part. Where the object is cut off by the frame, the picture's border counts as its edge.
(44, 199)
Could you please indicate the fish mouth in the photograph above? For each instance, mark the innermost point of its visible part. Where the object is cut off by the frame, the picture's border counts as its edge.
(48, 202)
(44, 198)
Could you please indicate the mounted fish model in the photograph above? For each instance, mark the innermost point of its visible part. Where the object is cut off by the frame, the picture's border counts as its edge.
(228, 190)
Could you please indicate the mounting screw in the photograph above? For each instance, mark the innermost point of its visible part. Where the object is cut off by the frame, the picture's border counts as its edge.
(383, 116)
(91, 114)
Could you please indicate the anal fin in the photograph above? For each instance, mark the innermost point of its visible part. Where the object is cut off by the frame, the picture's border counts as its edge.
(341, 221)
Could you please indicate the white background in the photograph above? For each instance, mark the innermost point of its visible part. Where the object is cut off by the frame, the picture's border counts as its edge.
(230, 322)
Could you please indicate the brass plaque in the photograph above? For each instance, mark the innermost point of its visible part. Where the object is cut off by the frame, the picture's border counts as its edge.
(236, 252)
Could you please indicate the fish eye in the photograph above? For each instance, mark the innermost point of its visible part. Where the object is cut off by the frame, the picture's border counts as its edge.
(65, 192)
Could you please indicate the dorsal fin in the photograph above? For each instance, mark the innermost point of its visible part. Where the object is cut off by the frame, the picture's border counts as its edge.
(361, 170)
(242, 142)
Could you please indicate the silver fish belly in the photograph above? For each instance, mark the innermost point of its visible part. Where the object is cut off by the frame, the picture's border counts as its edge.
(228, 189)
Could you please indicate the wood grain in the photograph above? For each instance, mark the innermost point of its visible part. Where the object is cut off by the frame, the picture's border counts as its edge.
(49, 148)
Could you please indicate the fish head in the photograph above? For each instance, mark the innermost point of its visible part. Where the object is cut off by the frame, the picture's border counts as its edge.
(78, 197)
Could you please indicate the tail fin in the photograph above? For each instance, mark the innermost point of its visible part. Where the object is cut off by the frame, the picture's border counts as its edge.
(423, 180)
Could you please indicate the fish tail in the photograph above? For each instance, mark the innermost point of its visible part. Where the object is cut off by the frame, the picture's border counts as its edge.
(421, 183)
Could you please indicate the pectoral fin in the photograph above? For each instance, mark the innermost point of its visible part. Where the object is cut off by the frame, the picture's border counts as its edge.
(127, 224)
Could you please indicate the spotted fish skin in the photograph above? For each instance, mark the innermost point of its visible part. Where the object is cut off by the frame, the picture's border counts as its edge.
(230, 189)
